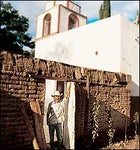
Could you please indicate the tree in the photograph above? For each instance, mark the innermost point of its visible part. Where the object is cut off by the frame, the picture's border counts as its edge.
(13, 31)
(101, 12)
(105, 10)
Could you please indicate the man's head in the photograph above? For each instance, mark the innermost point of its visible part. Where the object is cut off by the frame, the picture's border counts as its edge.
(56, 96)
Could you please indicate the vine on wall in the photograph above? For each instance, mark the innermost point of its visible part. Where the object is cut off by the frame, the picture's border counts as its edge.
(95, 113)
(95, 121)
(136, 122)
(110, 130)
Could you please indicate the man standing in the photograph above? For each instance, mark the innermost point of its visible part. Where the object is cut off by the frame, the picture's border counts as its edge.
(55, 116)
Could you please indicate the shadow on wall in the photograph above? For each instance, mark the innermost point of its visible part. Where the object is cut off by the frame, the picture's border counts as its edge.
(134, 101)
(17, 123)
(66, 136)
(120, 122)
(134, 106)
(84, 123)
(60, 53)
(135, 89)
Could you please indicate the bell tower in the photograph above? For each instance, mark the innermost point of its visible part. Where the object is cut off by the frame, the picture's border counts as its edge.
(59, 16)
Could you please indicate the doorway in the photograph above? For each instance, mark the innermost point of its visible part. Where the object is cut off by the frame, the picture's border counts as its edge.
(69, 123)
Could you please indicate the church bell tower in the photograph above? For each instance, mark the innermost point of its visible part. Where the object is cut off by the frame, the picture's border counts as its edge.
(59, 16)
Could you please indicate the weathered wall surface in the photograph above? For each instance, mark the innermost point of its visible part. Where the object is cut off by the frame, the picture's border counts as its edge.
(118, 97)
(18, 91)
(22, 98)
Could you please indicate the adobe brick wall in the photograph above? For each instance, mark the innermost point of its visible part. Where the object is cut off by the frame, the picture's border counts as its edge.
(23, 81)
(120, 110)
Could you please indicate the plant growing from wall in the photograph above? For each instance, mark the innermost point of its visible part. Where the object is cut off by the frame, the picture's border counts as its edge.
(136, 19)
(136, 121)
(111, 130)
(95, 112)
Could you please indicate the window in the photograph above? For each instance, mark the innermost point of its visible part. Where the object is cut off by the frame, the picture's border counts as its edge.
(73, 22)
(46, 25)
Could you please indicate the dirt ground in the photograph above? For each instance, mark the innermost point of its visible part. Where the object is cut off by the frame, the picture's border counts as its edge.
(130, 144)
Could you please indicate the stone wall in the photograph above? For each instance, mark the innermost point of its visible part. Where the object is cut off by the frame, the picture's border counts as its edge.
(23, 94)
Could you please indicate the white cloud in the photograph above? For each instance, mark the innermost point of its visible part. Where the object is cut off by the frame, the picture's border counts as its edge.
(127, 8)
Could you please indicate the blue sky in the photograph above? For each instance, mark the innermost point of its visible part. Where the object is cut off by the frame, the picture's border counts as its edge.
(30, 9)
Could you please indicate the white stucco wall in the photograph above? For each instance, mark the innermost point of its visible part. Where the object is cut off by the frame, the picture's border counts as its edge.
(69, 4)
(74, 7)
(54, 22)
(78, 46)
(120, 47)
(64, 19)
(98, 45)
(130, 52)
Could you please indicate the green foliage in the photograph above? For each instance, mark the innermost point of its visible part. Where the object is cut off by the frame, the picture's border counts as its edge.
(136, 121)
(95, 113)
(105, 10)
(136, 117)
(111, 130)
(101, 12)
(13, 36)
(137, 20)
